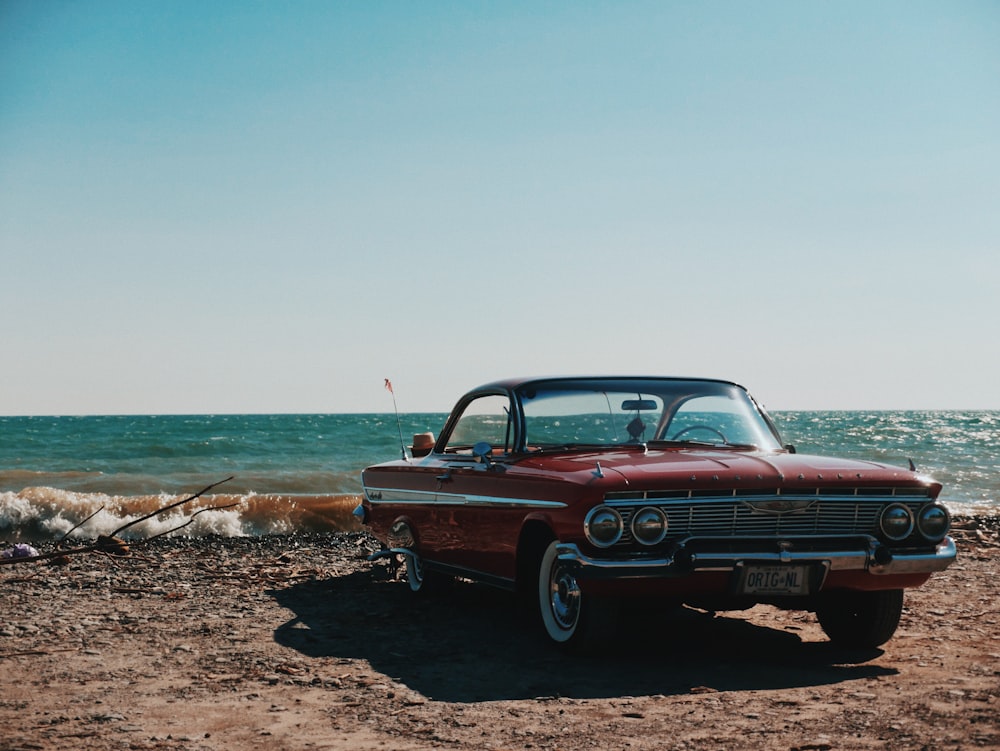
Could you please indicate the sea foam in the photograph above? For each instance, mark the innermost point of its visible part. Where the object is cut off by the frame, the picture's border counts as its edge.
(39, 513)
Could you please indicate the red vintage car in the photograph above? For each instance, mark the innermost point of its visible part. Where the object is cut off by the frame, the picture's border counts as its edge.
(579, 492)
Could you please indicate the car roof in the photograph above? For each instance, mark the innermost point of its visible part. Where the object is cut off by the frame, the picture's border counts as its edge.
(510, 384)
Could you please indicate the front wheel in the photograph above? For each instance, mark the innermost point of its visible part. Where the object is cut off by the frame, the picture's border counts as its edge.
(861, 619)
(571, 618)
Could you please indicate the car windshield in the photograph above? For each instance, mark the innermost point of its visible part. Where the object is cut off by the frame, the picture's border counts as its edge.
(639, 411)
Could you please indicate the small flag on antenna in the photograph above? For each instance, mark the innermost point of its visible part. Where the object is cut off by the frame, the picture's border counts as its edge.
(388, 386)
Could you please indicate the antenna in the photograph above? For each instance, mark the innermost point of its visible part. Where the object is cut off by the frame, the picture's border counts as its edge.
(399, 428)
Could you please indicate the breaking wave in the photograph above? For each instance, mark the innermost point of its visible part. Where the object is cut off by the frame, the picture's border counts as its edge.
(44, 513)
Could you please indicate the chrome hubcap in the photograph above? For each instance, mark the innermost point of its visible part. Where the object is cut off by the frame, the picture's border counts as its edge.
(564, 598)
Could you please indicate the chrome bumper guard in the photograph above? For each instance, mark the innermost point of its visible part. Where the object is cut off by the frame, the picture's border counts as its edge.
(875, 560)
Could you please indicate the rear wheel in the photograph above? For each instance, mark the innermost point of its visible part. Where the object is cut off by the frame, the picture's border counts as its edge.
(571, 618)
(861, 619)
(419, 578)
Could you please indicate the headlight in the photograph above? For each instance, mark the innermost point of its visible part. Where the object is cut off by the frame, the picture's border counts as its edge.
(896, 522)
(603, 526)
(649, 525)
(934, 521)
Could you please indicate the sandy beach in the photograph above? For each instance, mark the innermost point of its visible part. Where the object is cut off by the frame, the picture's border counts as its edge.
(299, 643)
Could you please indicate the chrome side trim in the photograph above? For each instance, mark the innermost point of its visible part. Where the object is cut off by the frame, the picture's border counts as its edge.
(403, 497)
(676, 566)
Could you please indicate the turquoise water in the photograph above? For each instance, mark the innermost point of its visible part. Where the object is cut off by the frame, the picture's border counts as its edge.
(138, 455)
(961, 449)
(289, 471)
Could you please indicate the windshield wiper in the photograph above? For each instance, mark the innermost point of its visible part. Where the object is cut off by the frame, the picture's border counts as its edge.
(708, 444)
(546, 447)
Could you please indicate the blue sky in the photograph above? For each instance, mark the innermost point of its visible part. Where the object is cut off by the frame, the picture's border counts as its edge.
(271, 207)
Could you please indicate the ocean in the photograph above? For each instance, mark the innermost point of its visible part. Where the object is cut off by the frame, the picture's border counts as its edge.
(302, 472)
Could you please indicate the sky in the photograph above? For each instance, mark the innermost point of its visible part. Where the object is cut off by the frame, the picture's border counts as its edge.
(273, 206)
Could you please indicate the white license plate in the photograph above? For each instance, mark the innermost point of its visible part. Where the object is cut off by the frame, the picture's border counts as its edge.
(775, 580)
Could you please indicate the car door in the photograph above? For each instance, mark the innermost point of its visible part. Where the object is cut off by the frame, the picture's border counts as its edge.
(473, 524)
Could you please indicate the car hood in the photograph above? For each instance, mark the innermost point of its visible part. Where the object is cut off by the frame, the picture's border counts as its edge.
(687, 467)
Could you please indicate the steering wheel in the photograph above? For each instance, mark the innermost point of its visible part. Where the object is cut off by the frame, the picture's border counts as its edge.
(709, 428)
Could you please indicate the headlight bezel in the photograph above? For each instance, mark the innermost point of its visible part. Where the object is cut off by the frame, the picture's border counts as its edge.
(638, 520)
(598, 536)
(943, 521)
(892, 515)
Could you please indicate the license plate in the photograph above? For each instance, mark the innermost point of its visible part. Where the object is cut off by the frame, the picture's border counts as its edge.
(775, 580)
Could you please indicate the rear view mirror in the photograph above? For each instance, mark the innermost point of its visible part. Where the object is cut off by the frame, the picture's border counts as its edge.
(638, 405)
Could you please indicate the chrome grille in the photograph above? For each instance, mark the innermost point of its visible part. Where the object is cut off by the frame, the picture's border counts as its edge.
(767, 514)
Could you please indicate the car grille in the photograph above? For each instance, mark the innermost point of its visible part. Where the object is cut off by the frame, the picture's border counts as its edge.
(767, 514)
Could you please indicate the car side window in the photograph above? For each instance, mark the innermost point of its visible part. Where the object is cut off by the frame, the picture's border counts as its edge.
(486, 418)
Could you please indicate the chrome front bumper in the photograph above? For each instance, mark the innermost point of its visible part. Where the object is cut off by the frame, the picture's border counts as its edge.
(875, 560)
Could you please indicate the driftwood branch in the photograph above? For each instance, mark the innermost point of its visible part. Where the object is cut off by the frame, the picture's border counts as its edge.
(111, 544)
(79, 524)
(191, 519)
(28, 652)
(170, 506)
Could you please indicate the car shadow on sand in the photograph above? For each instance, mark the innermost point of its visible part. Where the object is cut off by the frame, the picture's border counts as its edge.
(472, 643)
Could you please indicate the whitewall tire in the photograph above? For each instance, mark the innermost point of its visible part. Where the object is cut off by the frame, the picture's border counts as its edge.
(570, 617)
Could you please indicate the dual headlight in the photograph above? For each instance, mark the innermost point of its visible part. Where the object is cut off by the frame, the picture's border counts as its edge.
(898, 522)
(605, 527)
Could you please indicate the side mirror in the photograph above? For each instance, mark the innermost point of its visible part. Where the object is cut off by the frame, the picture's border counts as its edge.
(789, 448)
(483, 451)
